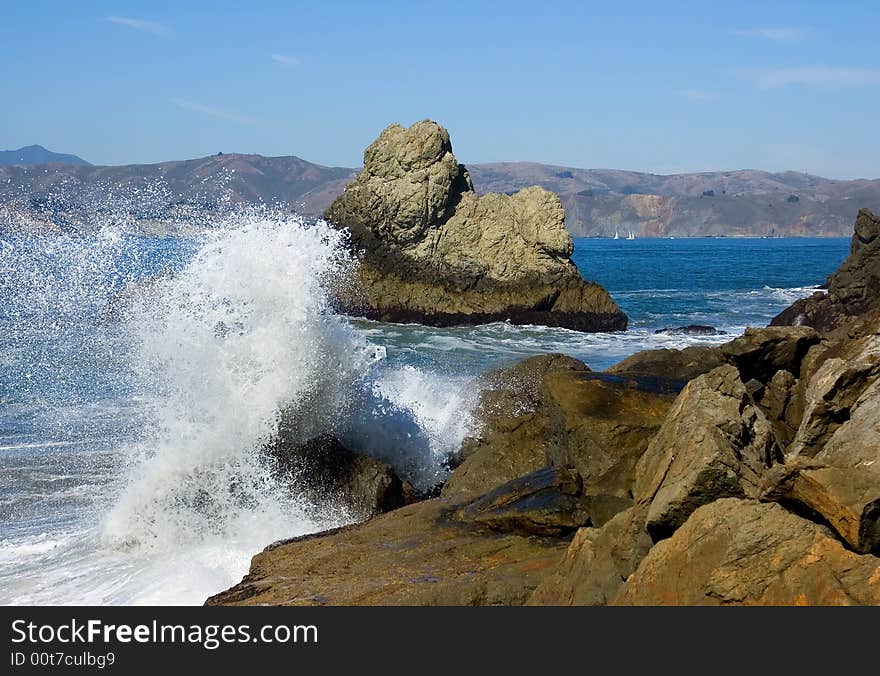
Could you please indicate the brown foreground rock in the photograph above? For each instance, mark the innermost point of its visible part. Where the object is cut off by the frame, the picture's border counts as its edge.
(739, 552)
(833, 466)
(415, 555)
(713, 444)
(552, 410)
(597, 562)
(842, 373)
(758, 484)
(433, 251)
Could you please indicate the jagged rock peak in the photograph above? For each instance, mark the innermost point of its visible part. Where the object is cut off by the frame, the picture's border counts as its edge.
(435, 252)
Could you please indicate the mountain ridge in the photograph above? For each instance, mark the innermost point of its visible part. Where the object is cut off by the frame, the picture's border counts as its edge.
(598, 202)
(37, 155)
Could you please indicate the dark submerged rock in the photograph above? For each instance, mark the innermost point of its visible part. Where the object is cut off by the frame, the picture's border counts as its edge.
(550, 501)
(325, 470)
(691, 330)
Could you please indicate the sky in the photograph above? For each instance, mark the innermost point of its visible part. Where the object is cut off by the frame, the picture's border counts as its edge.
(663, 87)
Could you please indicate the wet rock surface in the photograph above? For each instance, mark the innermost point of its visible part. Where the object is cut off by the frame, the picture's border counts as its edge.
(550, 501)
(325, 470)
(691, 330)
(416, 555)
(552, 410)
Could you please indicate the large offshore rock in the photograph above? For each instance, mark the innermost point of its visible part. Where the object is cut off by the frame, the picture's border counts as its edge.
(552, 410)
(433, 251)
(853, 290)
(740, 552)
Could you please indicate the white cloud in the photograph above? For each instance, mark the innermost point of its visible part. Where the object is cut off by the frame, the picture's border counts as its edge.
(698, 95)
(211, 111)
(817, 77)
(785, 34)
(142, 25)
(286, 60)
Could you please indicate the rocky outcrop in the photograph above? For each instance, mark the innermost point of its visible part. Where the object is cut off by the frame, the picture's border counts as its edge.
(433, 251)
(759, 353)
(832, 467)
(739, 552)
(597, 562)
(696, 502)
(717, 441)
(853, 290)
(552, 410)
(714, 443)
(556, 455)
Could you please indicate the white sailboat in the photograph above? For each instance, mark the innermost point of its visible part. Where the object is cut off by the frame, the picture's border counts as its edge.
(630, 235)
(616, 236)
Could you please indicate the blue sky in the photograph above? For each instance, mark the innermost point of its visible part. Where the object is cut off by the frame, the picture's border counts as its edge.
(650, 86)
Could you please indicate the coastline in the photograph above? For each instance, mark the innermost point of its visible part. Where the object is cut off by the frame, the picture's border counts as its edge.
(630, 486)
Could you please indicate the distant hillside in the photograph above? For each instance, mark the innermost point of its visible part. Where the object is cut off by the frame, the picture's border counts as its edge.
(37, 155)
(598, 202)
(70, 197)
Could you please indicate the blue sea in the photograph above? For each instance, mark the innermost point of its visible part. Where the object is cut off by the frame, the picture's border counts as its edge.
(139, 377)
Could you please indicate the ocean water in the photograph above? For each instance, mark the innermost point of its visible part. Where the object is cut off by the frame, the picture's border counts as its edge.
(132, 412)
